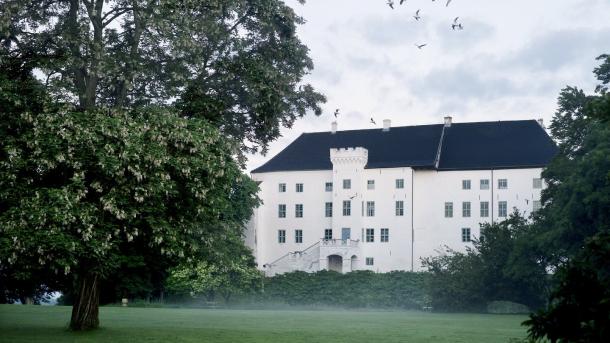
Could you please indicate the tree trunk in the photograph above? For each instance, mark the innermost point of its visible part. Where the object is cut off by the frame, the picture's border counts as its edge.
(85, 311)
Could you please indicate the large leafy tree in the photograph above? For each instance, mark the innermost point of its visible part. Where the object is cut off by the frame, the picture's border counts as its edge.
(238, 64)
(575, 222)
(91, 188)
(105, 172)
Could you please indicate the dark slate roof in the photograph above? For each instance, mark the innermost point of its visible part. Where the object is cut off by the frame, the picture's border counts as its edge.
(483, 145)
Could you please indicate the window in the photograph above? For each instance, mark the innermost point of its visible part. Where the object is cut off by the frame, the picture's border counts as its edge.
(346, 233)
(282, 188)
(370, 184)
(465, 235)
(281, 210)
(328, 210)
(484, 209)
(298, 210)
(347, 208)
(484, 183)
(328, 234)
(370, 208)
(502, 184)
(502, 208)
(537, 183)
(299, 188)
(448, 209)
(370, 235)
(466, 209)
(400, 183)
(537, 205)
(298, 236)
(400, 208)
(347, 184)
(369, 261)
(385, 235)
(465, 184)
(328, 186)
(281, 236)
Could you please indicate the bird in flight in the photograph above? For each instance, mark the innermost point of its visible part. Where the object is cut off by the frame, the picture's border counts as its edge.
(448, 2)
(373, 121)
(456, 25)
(419, 46)
(336, 112)
(391, 4)
(416, 16)
(353, 196)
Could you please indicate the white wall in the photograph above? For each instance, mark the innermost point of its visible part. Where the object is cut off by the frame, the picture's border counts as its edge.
(434, 188)
(395, 254)
(431, 189)
(313, 222)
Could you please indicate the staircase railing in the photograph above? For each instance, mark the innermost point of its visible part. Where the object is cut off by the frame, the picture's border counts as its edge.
(294, 252)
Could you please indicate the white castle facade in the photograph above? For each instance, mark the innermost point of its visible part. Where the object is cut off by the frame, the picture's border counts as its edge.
(351, 211)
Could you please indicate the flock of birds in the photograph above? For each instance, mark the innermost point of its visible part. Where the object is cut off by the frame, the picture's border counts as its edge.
(456, 25)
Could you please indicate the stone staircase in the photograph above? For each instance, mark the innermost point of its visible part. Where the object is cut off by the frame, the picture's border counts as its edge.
(314, 257)
(307, 260)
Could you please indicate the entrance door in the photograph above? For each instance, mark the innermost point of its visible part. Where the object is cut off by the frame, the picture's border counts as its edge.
(346, 233)
(335, 263)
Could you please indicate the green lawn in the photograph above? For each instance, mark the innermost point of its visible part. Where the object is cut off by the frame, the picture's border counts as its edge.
(20, 323)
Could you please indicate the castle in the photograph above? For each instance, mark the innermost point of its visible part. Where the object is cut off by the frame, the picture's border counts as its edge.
(381, 199)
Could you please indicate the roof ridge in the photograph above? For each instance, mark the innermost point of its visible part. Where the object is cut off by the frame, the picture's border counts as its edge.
(421, 125)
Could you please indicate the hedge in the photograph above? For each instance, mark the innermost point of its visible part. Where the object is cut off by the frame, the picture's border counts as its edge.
(397, 289)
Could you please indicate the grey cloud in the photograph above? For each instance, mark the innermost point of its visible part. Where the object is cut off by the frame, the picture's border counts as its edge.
(397, 30)
(552, 51)
(462, 82)
(323, 73)
(474, 32)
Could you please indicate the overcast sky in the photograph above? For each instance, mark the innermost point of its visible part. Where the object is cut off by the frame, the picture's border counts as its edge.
(510, 61)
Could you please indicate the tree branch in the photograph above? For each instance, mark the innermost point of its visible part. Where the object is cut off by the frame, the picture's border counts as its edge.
(119, 11)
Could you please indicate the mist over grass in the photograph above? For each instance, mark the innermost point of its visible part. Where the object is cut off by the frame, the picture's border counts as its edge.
(20, 323)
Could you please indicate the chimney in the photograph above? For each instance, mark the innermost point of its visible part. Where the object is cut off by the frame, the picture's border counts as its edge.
(386, 124)
(448, 121)
(541, 122)
(333, 127)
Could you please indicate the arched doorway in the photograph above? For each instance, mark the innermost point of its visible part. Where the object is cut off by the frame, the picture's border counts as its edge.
(335, 263)
(354, 263)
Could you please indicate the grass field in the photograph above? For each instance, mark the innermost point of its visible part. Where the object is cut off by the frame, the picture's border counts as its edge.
(20, 323)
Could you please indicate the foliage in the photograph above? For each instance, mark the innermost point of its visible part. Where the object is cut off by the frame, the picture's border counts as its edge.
(574, 226)
(19, 93)
(101, 179)
(356, 289)
(99, 182)
(579, 308)
(236, 277)
(238, 64)
(455, 283)
(577, 200)
(82, 192)
(494, 268)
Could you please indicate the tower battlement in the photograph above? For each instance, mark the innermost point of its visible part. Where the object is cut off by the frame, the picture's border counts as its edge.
(351, 155)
